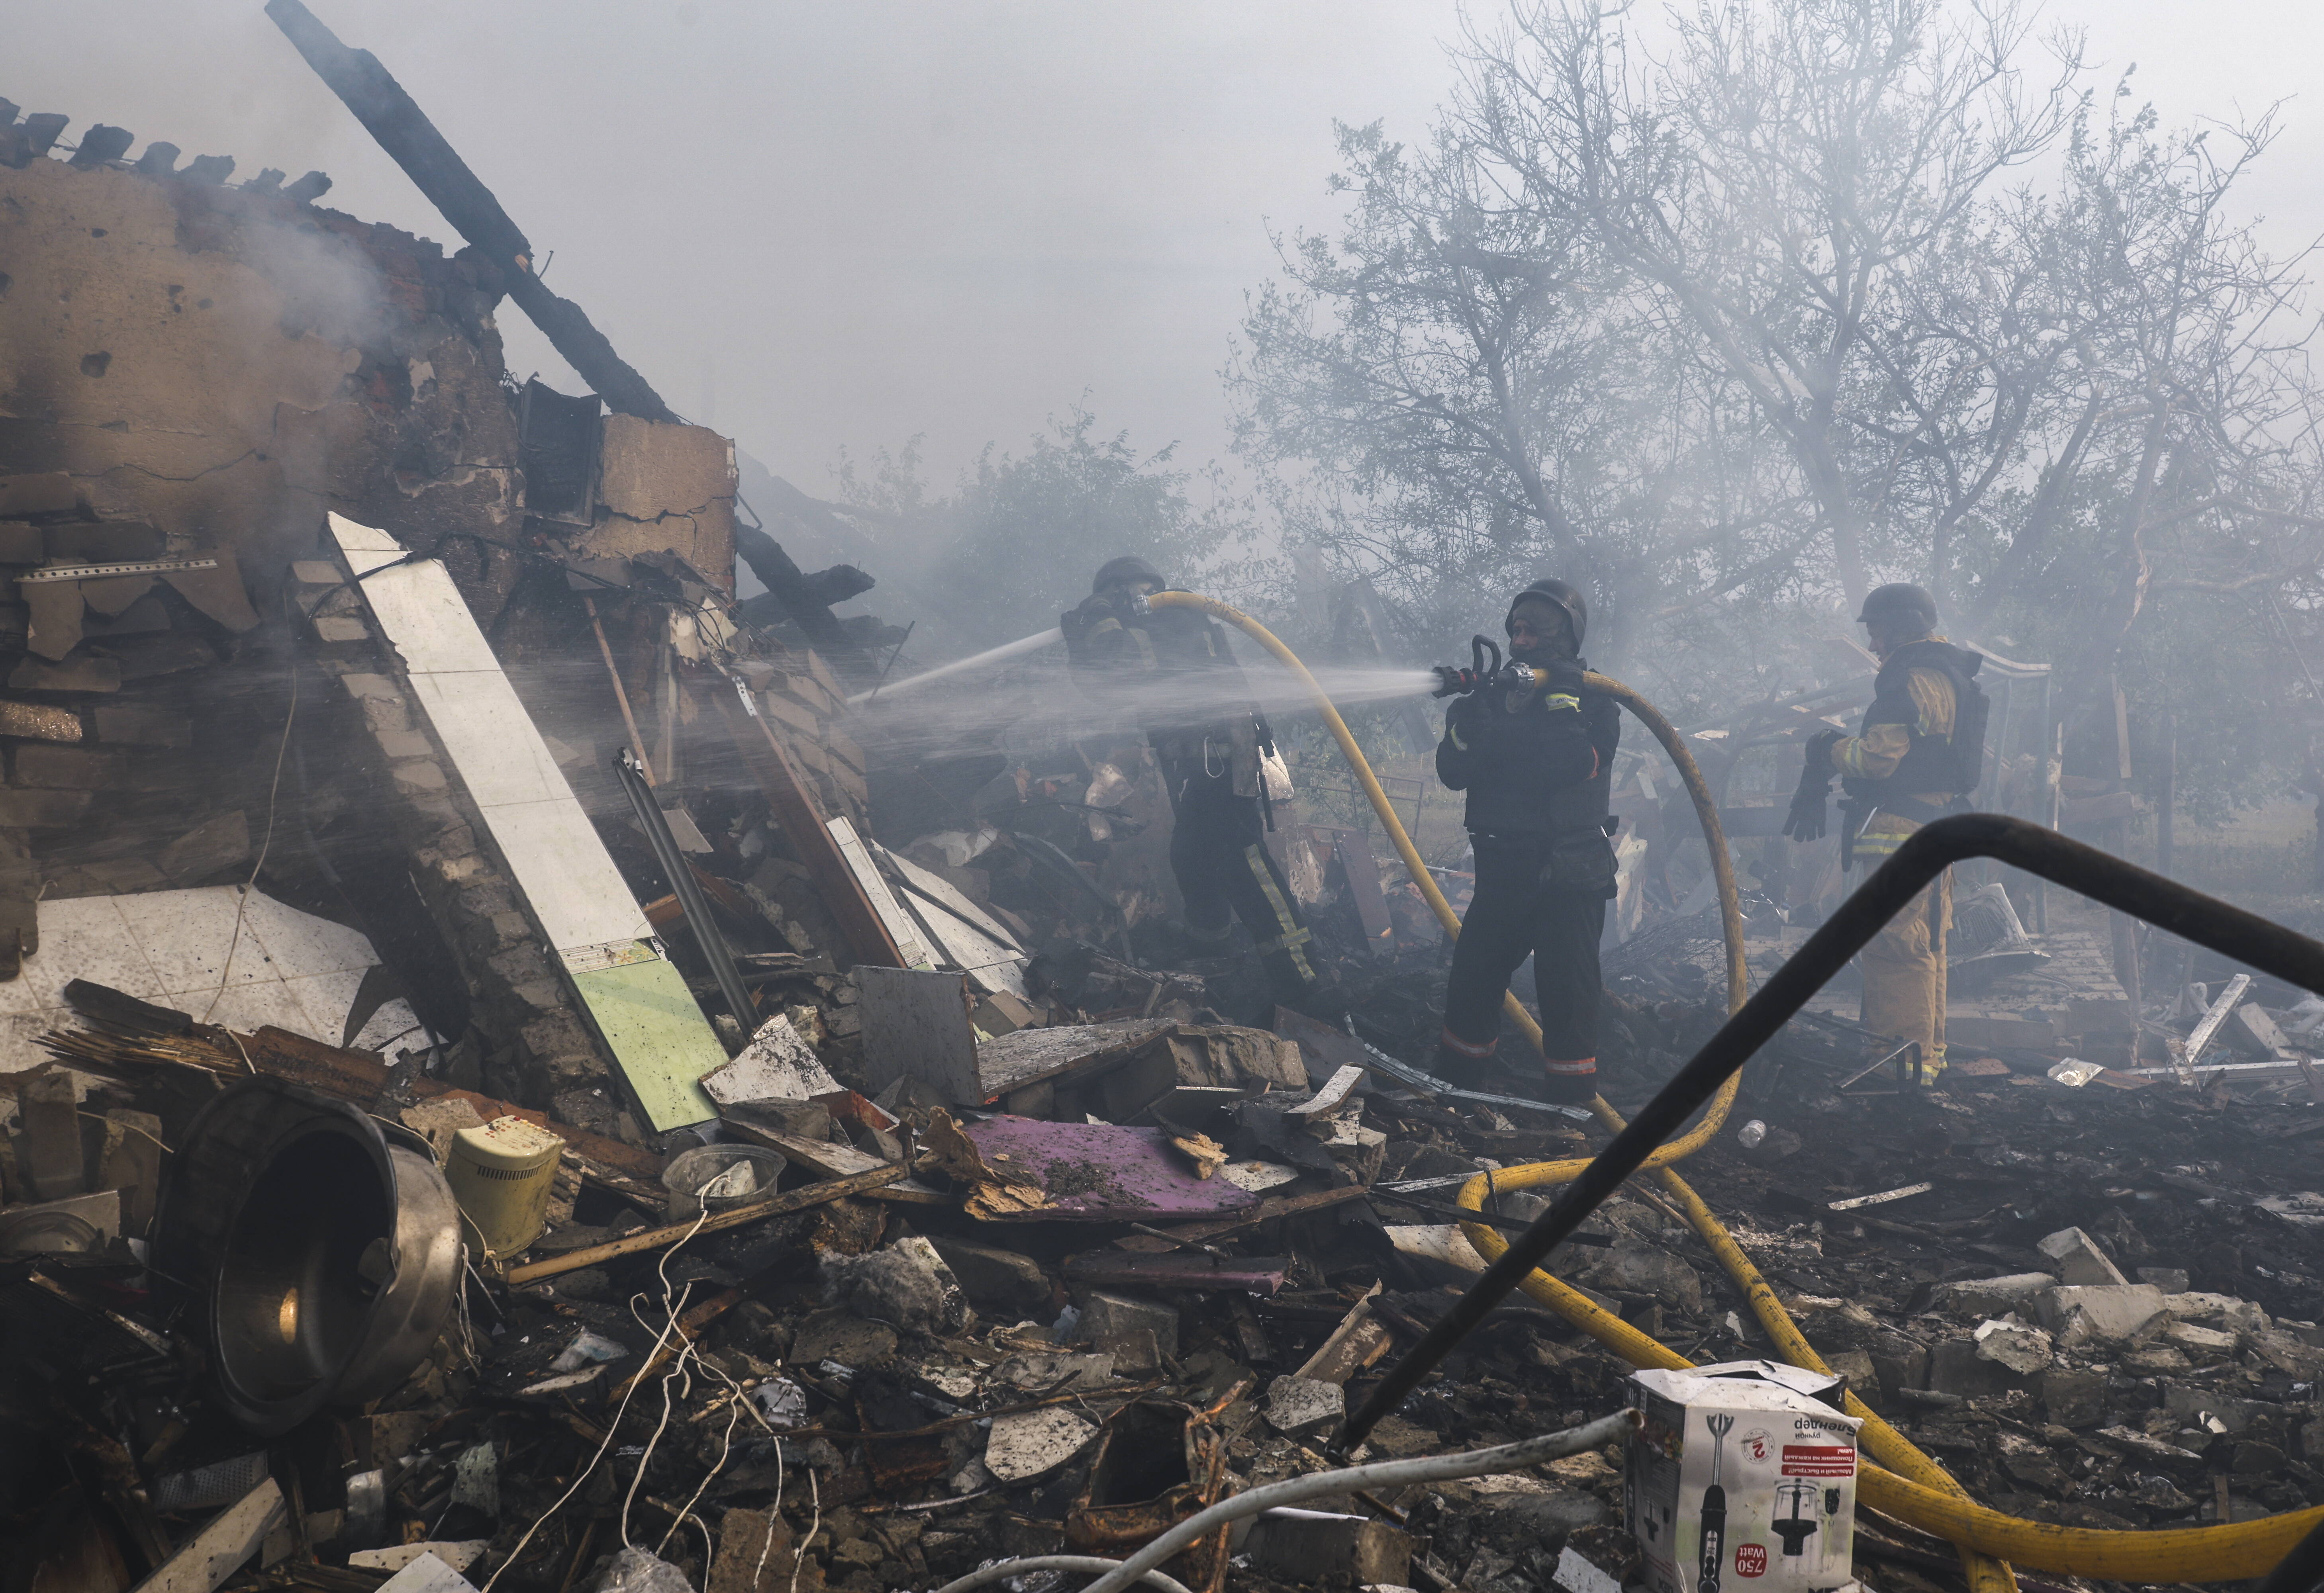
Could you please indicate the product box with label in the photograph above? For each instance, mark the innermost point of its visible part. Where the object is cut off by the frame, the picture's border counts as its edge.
(1740, 1485)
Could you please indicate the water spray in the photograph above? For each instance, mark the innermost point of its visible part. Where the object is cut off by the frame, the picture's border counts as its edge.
(992, 655)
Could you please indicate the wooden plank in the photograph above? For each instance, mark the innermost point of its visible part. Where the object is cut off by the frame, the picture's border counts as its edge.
(1193, 1233)
(991, 966)
(795, 814)
(1016, 1061)
(832, 1159)
(901, 929)
(942, 891)
(654, 1239)
(220, 1548)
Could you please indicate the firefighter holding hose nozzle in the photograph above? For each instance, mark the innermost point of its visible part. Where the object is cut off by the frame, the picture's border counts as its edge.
(1210, 766)
(1919, 753)
(1536, 759)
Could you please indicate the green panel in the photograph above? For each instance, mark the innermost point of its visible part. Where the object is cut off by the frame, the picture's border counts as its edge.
(658, 1036)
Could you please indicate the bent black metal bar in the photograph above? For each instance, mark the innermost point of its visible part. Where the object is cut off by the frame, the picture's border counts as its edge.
(2189, 913)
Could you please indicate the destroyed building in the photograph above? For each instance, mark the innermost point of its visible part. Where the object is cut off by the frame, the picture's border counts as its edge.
(514, 1080)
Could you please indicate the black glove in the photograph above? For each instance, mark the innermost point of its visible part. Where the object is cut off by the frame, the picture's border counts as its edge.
(1561, 677)
(1469, 715)
(1810, 804)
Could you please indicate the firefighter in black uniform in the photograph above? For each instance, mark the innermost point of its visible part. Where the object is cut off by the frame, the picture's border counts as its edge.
(1538, 764)
(1211, 765)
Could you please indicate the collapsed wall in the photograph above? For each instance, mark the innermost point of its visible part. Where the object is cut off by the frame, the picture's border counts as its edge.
(192, 377)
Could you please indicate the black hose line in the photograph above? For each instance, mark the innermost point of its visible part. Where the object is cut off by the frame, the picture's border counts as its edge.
(2166, 904)
(2301, 1570)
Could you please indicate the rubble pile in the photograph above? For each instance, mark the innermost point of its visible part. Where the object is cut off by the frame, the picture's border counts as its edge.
(532, 1083)
(956, 1332)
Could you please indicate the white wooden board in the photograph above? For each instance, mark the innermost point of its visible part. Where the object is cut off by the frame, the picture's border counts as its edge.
(656, 1032)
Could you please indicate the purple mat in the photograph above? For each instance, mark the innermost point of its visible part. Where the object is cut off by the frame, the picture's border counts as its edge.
(1099, 1173)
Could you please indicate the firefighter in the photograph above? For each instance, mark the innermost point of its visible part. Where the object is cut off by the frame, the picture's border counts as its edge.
(1211, 758)
(1538, 763)
(1919, 753)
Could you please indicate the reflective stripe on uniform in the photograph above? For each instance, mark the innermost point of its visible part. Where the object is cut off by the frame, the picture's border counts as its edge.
(1292, 934)
(1588, 1064)
(1468, 1048)
(1557, 700)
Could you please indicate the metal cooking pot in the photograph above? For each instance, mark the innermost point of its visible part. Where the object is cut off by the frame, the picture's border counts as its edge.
(313, 1248)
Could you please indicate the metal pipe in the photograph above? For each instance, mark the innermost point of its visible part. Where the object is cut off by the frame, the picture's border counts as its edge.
(621, 693)
(1379, 1474)
(630, 772)
(2245, 936)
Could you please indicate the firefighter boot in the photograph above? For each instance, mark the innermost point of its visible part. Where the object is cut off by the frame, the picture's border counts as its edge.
(1467, 1064)
(1572, 1083)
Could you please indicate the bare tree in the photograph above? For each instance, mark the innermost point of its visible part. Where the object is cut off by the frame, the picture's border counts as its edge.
(1776, 182)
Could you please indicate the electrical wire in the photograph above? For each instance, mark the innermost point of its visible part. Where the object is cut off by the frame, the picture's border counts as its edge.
(726, 1448)
(612, 1428)
(815, 1500)
(685, 1351)
(273, 792)
(1378, 1474)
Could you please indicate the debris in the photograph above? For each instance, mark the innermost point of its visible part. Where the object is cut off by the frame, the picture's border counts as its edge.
(895, 1286)
(1033, 1443)
(777, 1064)
(798, 1199)
(2079, 1259)
(1304, 1407)
(1883, 1198)
(994, 1279)
(1124, 1324)
(2108, 1315)
(222, 1545)
(1185, 1269)
(1308, 1548)
(456, 1557)
(2019, 1345)
(635, 1570)
(1982, 1297)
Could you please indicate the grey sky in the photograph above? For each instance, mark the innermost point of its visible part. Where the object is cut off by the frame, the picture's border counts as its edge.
(821, 224)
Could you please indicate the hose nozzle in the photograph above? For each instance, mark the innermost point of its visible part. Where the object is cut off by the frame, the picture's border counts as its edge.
(1453, 681)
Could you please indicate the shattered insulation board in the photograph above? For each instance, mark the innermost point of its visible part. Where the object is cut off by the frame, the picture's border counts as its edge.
(967, 937)
(290, 969)
(899, 923)
(639, 1002)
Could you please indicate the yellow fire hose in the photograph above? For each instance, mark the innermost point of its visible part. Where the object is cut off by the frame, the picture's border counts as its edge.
(1907, 1484)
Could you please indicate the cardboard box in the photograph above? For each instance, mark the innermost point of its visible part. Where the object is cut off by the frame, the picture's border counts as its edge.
(1739, 1485)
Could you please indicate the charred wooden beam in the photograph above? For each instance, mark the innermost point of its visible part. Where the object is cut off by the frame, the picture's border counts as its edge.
(804, 597)
(392, 116)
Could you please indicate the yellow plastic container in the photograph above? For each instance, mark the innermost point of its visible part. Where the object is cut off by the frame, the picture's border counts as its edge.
(501, 1175)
